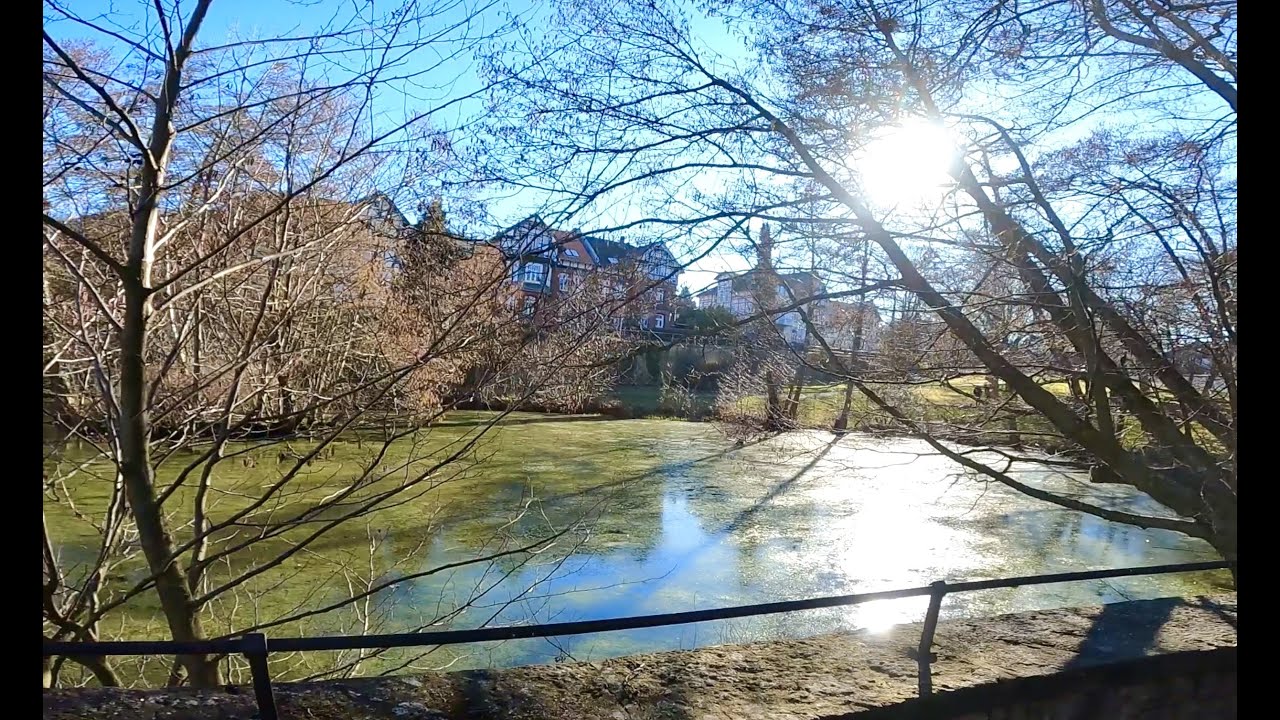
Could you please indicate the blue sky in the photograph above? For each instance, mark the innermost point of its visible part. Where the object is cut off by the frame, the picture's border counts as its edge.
(232, 19)
(269, 18)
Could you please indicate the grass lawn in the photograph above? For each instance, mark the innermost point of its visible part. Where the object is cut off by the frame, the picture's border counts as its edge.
(931, 401)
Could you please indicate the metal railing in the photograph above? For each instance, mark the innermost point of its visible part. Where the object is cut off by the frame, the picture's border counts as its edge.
(256, 646)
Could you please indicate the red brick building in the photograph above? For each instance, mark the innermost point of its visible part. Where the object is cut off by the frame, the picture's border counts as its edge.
(553, 270)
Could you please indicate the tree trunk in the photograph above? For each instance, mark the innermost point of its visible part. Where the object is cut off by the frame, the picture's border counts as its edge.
(139, 482)
(842, 422)
(793, 403)
(101, 669)
(1102, 406)
(773, 411)
(135, 422)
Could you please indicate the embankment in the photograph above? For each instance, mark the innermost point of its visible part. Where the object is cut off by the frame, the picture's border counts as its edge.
(1035, 664)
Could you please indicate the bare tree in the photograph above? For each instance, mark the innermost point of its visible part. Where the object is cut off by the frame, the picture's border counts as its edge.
(1066, 249)
(229, 284)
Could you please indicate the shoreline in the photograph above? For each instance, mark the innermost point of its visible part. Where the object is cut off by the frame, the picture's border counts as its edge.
(798, 679)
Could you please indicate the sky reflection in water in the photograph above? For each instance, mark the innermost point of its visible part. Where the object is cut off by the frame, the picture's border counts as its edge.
(797, 517)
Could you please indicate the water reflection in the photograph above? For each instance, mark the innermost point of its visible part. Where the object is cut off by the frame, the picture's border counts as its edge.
(679, 518)
(808, 515)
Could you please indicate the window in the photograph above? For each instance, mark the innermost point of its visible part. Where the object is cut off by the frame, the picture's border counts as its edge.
(660, 321)
(564, 282)
(644, 323)
(570, 252)
(613, 261)
(617, 323)
(662, 295)
(533, 273)
(528, 306)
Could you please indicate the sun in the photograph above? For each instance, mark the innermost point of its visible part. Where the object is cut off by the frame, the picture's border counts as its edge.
(907, 164)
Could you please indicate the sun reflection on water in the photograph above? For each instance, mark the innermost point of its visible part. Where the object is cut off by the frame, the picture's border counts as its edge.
(878, 616)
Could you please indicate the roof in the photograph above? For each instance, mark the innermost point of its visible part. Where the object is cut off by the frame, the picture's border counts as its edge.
(384, 208)
(608, 252)
(532, 222)
(603, 251)
(805, 282)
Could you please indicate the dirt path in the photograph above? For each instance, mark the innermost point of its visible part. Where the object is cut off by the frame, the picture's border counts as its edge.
(786, 680)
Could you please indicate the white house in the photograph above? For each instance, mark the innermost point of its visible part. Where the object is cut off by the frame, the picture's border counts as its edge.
(843, 325)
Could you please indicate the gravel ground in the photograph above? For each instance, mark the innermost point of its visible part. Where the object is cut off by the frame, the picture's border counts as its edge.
(784, 680)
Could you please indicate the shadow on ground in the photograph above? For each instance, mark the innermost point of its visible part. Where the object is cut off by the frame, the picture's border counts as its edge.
(1124, 630)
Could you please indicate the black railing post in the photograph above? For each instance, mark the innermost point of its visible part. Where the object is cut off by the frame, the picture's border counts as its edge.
(924, 653)
(255, 649)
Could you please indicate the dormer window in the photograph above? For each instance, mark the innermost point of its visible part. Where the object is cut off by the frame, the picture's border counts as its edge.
(570, 252)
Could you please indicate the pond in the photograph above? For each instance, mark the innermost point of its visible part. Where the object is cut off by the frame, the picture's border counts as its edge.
(659, 516)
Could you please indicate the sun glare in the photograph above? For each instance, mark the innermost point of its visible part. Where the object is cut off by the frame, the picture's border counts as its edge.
(907, 164)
